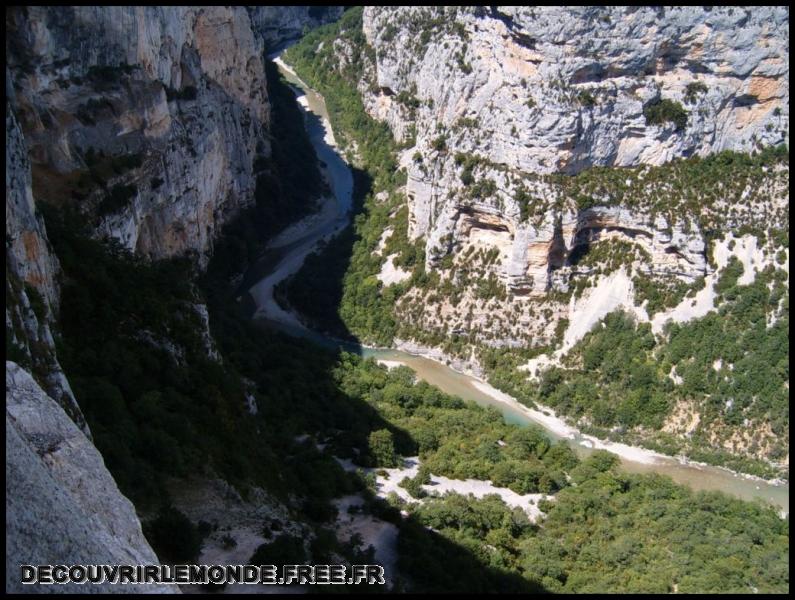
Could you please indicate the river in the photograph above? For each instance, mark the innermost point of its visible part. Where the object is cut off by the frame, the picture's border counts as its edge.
(291, 250)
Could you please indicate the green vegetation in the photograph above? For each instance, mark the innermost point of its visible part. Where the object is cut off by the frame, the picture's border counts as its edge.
(469, 446)
(660, 292)
(617, 532)
(717, 192)
(173, 536)
(344, 271)
(586, 99)
(618, 375)
(131, 342)
(414, 487)
(608, 256)
(439, 144)
(148, 413)
(693, 89)
(665, 110)
(321, 70)
(617, 383)
(287, 184)
(739, 334)
(382, 448)
(160, 406)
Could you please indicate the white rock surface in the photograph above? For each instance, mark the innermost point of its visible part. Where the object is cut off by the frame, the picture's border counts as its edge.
(390, 274)
(442, 485)
(538, 90)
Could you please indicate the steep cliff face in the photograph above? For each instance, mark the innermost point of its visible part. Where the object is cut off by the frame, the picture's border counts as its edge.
(151, 120)
(153, 123)
(532, 92)
(32, 290)
(62, 505)
(27, 248)
(558, 89)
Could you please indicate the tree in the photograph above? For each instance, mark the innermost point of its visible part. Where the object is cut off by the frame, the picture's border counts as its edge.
(382, 448)
(173, 536)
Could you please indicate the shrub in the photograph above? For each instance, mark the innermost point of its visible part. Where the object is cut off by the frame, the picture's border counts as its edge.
(693, 89)
(285, 549)
(586, 99)
(413, 486)
(662, 111)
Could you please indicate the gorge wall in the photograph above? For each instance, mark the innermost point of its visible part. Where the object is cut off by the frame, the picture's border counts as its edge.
(165, 108)
(63, 506)
(152, 123)
(533, 92)
(153, 120)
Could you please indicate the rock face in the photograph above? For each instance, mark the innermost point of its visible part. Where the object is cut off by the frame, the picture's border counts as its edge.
(27, 248)
(153, 120)
(277, 24)
(62, 505)
(537, 90)
(528, 69)
(32, 291)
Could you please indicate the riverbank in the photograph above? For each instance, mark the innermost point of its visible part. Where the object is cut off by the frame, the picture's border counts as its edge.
(635, 458)
(547, 418)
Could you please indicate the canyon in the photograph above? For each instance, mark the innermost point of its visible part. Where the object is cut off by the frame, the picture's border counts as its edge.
(558, 177)
(536, 194)
(153, 123)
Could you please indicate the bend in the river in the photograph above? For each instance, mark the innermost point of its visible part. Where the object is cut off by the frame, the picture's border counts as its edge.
(301, 239)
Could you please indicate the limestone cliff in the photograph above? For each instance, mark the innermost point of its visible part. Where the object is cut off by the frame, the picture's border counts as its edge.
(533, 94)
(32, 290)
(153, 124)
(151, 120)
(563, 164)
(561, 89)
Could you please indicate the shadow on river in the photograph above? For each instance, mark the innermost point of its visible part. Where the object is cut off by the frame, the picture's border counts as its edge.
(279, 263)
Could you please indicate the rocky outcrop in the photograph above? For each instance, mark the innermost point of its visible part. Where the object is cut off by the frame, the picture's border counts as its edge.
(537, 90)
(62, 505)
(151, 120)
(554, 88)
(153, 123)
(27, 248)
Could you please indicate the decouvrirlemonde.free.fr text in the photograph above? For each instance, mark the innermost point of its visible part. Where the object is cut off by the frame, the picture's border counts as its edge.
(203, 574)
